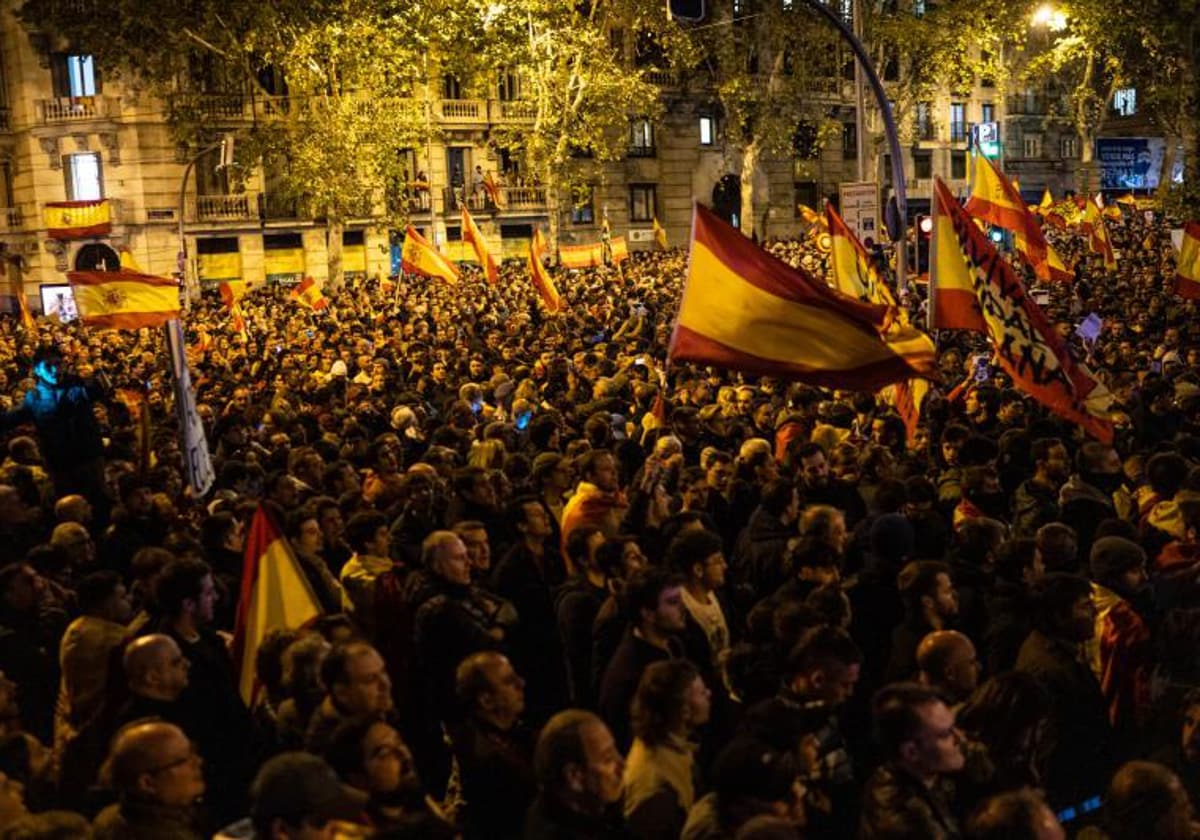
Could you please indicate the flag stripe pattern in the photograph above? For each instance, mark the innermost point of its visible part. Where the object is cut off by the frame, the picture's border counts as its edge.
(420, 257)
(77, 219)
(1187, 266)
(745, 310)
(274, 594)
(542, 281)
(124, 299)
(308, 293)
(471, 234)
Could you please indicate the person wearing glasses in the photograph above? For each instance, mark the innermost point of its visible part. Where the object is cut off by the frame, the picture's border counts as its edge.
(158, 778)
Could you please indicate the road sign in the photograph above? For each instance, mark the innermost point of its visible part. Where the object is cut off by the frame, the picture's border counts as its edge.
(859, 202)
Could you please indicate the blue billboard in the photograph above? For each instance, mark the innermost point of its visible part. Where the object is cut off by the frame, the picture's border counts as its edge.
(1130, 163)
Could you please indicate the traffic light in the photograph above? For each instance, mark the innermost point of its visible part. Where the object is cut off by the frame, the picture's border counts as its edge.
(924, 237)
(689, 11)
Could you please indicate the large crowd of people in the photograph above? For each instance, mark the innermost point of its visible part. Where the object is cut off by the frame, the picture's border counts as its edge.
(569, 590)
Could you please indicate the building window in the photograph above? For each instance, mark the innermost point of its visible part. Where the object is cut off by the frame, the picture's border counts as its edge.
(805, 142)
(81, 75)
(958, 165)
(925, 121)
(923, 165)
(1068, 147)
(1125, 102)
(451, 87)
(83, 176)
(642, 202)
(988, 112)
(807, 194)
(641, 138)
(849, 140)
(958, 122)
(1031, 145)
(918, 8)
(582, 206)
(708, 131)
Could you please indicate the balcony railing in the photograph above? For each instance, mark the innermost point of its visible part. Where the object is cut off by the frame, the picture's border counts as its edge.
(512, 110)
(68, 109)
(958, 132)
(662, 78)
(226, 208)
(926, 131)
(512, 198)
(641, 152)
(272, 206)
(213, 106)
(521, 198)
(463, 110)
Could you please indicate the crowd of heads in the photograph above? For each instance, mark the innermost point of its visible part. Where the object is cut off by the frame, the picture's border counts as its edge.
(565, 588)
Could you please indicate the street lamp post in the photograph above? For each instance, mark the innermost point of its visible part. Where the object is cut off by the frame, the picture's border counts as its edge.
(898, 229)
(226, 145)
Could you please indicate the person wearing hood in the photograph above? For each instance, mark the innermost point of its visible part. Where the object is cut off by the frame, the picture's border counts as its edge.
(1087, 498)
(1120, 653)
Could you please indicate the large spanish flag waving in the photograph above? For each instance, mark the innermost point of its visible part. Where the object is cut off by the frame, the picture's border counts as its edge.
(746, 310)
(542, 281)
(419, 257)
(471, 234)
(995, 200)
(124, 300)
(275, 593)
(1187, 266)
(1024, 342)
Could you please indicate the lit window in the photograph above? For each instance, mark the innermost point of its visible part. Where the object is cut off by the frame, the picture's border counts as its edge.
(81, 75)
(708, 131)
(82, 172)
(642, 203)
(1125, 102)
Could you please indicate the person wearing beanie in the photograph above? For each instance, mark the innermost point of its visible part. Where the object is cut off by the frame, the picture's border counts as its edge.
(1120, 653)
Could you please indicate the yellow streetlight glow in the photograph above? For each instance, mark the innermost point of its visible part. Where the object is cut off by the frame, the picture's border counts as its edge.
(1050, 18)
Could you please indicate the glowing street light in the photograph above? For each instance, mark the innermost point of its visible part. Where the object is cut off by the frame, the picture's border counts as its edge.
(1048, 17)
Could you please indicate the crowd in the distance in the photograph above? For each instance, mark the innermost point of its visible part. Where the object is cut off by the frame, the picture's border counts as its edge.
(569, 592)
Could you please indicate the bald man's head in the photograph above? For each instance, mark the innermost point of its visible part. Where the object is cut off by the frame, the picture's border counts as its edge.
(155, 761)
(73, 508)
(155, 667)
(947, 661)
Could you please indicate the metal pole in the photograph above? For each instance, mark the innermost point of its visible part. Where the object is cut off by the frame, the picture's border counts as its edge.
(183, 255)
(889, 127)
(860, 105)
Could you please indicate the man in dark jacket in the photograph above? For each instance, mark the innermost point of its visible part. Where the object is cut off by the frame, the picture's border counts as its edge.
(27, 651)
(1086, 499)
(576, 605)
(930, 603)
(909, 795)
(1036, 500)
(494, 751)
(759, 555)
(1080, 756)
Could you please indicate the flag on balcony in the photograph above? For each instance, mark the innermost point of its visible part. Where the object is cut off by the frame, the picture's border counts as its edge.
(1024, 342)
(743, 309)
(471, 234)
(77, 219)
(308, 293)
(660, 235)
(419, 257)
(1097, 233)
(1187, 266)
(542, 281)
(494, 192)
(124, 300)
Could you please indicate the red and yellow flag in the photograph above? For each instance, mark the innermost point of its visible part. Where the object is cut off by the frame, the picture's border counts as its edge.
(744, 309)
(124, 300)
(231, 292)
(660, 235)
(308, 293)
(542, 281)
(1097, 232)
(996, 201)
(1024, 342)
(1187, 265)
(580, 256)
(275, 594)
(77, 219)
(494, 192)
(471, 234)
(618, 249)
(1046, 203)
(420, 257)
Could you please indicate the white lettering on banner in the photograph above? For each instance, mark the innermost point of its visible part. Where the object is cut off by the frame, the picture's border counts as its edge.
(196, 460)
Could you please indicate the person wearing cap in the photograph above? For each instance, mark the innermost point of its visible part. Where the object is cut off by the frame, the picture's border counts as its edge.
(158, 778)
(298, 796)
(578, 769)
(1119, 652)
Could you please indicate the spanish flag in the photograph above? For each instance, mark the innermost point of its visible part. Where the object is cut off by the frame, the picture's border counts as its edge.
(231, 292)
(124, 300)
(275, 594)
(853, 273)
(812, 218)
(1046, 203)
(1097, 232)
(660, 235)
(618, 249)
(1054, 269)
(308, 293)
(419, 257)
(471, 234)
(745, 310)
(1024, 342)
(494, 192)
(77, 219)
(996, 201)
(580, 256)
(1187, 266)
(542, 281)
